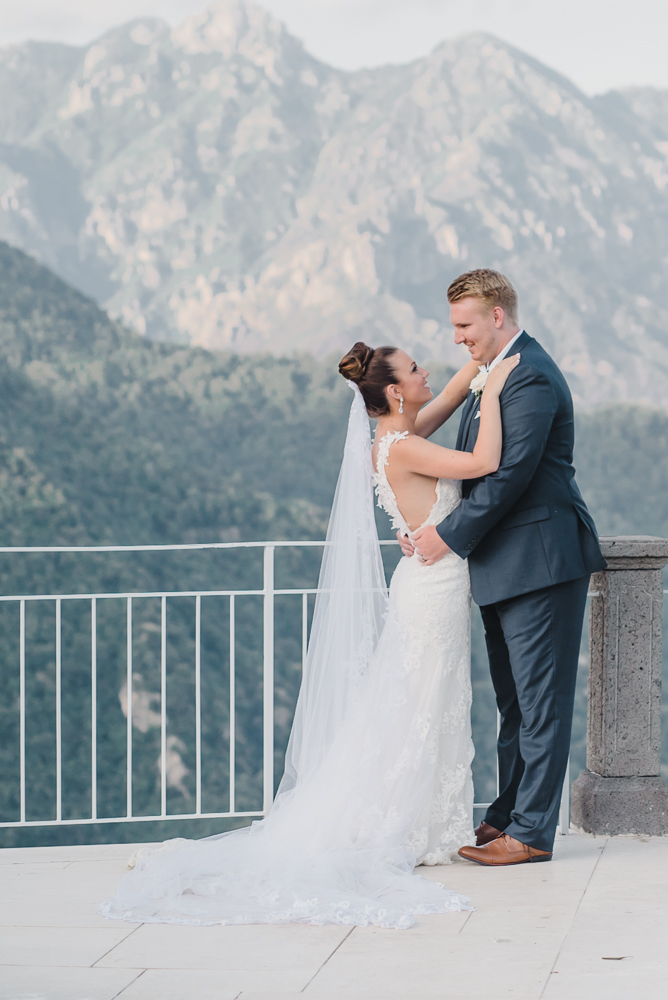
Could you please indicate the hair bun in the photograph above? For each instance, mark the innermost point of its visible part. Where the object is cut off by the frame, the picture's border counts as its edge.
(354, 364)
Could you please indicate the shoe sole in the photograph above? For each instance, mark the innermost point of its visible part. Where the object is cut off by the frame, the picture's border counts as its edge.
(506, 864)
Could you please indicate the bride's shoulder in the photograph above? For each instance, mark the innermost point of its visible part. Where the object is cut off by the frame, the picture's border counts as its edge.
(384, 441)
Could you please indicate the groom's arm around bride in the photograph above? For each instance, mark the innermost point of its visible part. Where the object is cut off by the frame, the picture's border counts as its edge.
(531, 545)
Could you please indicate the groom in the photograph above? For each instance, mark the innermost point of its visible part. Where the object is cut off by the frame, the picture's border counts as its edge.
(531, 546)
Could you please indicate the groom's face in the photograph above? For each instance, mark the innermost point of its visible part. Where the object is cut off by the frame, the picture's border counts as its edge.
(478, 327)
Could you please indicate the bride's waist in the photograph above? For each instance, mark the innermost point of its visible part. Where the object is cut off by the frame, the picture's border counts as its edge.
(451, 572)
(435, 517)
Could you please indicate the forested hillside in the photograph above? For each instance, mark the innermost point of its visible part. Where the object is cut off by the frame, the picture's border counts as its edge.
(107, 437)
(110, 438)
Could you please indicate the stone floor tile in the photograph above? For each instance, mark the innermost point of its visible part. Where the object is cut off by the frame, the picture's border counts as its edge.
(61, 946)
(626, 897)
(7, 869)
(627, 860)
(597, 936)
(510, 919)
(198, 984)
(487, 888)
(280, 947)
(440, 925)
(626, 986)
(54, 983)
(630, 847)
(519, 924)
(276, 994)
(77, 852)
(418, 961)
(51, 911)
(117, 867)
(55, 895)
(369, 994)
(48, 876)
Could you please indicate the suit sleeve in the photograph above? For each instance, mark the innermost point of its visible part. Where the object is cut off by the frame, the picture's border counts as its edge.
(528, 407)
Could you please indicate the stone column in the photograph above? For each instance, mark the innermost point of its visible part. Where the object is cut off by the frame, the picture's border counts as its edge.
(622, 791)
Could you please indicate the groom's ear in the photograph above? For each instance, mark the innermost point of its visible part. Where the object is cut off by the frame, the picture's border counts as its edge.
(498, 316)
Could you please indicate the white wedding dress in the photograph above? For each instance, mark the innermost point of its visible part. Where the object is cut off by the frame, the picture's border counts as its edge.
(378, 769)
(432, 605)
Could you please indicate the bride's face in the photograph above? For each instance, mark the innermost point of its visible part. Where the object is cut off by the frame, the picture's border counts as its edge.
(411, 381)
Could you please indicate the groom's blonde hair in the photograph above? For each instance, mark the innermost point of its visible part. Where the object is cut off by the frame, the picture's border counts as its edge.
(491, 286)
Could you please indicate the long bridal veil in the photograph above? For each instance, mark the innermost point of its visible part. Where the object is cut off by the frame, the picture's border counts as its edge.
(349, 612)
(332, 849)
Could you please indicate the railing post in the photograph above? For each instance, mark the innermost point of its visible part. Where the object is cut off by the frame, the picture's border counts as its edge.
(621, 792)
(198, 704)
(163, 706)
(233, 705)
(565, 806)
(59, 711)
(128, 718)
(93, 708)
(268, 680)
(22, 707)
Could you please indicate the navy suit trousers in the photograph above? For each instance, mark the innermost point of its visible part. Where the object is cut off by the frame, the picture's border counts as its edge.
(533, 642)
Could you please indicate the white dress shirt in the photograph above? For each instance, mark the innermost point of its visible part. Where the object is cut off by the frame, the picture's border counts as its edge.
(504, 352)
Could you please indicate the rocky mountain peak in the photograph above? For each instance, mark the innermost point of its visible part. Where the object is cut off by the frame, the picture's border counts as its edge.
(228, 27)
(216, 184)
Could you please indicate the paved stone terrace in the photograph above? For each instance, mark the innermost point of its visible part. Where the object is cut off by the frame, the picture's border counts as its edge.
(592, 924)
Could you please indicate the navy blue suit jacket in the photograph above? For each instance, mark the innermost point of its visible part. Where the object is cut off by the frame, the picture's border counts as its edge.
(525, 526)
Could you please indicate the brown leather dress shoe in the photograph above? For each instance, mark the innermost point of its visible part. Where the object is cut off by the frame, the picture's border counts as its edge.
(504, 850)
(485, 834)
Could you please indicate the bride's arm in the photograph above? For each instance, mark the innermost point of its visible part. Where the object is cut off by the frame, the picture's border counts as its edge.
(434, 414)
(428, 459)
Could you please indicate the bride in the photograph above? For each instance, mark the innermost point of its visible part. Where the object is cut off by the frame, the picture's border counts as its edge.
(378, 768)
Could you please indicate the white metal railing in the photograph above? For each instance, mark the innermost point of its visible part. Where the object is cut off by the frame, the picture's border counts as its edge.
(268, 592)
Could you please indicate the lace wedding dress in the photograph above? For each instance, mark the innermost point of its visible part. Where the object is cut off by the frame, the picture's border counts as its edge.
(377, 774)
(432, 604)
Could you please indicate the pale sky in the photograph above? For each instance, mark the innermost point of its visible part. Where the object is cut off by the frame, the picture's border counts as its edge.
(599, 44)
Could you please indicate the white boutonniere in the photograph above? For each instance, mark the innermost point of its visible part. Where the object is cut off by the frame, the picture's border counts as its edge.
(477, 384)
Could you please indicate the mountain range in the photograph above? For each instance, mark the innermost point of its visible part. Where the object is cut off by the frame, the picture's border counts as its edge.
(216, 185)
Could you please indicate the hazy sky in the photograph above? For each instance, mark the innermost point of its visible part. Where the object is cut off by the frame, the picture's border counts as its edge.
(599, 44)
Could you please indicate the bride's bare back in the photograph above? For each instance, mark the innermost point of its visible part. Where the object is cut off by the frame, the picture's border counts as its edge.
(415, 492)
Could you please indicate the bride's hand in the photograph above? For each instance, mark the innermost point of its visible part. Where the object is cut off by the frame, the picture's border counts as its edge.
(407, 546)
(498, 376)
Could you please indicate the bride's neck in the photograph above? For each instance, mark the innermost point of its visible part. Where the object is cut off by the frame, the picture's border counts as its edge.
(396, 422)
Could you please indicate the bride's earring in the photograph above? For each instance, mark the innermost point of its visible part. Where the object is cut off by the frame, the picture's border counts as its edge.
(401, 404)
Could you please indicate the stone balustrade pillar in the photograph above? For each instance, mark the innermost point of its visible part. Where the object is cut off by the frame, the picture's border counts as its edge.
(622, 791)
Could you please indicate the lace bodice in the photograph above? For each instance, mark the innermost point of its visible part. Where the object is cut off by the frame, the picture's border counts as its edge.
(448, 491)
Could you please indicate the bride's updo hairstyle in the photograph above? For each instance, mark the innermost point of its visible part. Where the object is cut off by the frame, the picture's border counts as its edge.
(372, 371)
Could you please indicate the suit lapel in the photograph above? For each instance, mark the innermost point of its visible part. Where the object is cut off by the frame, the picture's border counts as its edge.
(474, 424)
(472, 405)
(469, 415)
(465, 424)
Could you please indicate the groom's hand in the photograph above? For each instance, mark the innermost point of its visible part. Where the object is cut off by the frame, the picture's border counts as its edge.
(429, 545)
